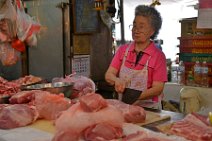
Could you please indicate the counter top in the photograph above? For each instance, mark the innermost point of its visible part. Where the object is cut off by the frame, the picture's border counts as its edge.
(43, 130)
(174, 116)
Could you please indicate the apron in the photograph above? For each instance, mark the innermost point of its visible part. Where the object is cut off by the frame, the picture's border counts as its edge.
(136, 82)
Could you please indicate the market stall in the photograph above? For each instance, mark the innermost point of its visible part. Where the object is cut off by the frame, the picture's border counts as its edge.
(62, 101)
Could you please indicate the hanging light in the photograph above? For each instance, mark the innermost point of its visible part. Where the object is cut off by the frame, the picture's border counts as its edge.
(98, 5)
(155, 2)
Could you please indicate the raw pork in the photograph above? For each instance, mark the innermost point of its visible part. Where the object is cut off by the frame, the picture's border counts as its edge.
(28, 79)
(23, 97)
(192, 128)
(50, 105)
(143, 136)
(92, 102)
(102, 132)
(17, 115)
(8, 88)
(132, 113)
(73, 122)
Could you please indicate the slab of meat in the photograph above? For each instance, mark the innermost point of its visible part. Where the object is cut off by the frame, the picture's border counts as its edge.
(8, 88)
(143, 136)
(23, 97)
(92, 102)
(192, 128)
(50, 105)
(28, 79)
(132, 113)
(134, 132)
(17, 115)
(102, 132)
(74, 122)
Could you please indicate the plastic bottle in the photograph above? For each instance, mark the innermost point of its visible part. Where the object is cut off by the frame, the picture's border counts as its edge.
(197, 73)
(204, 71)
(190, 79)
(174, 74)
(181, 73)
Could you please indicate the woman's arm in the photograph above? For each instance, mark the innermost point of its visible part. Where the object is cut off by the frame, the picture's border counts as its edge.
(155, 90)
(112, 78)
(111, 75)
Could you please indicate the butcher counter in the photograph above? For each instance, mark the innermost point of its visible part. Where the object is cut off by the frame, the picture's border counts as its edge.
(43, 130)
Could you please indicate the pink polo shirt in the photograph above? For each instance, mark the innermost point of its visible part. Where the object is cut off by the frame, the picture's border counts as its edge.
(157, 64)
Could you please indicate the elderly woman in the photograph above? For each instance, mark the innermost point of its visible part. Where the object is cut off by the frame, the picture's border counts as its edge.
(138, 70)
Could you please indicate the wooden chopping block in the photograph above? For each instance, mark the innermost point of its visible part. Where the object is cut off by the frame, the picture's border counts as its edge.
(44, 125)
(152, 117)
(48, 126)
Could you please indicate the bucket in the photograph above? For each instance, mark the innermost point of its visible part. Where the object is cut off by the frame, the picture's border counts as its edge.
(189, 100)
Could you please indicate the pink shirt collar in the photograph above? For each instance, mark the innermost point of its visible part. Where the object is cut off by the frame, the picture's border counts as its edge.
(149, 50)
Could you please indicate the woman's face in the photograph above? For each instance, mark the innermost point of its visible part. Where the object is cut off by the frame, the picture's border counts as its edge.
(142, 29)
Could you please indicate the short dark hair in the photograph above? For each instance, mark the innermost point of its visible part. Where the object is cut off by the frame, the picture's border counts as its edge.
(153, 14)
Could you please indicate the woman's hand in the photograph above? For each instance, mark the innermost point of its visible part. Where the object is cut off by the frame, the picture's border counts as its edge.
(120, 85)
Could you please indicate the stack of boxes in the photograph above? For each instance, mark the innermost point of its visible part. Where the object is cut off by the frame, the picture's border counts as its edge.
(195, 45)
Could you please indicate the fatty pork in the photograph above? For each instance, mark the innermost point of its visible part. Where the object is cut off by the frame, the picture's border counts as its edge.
(23, 97)
(76, 122)
(192, 128)
(132, 113)
(17, 115)
(92, 102)
(49, 105)
(8, 88)
(143, 136)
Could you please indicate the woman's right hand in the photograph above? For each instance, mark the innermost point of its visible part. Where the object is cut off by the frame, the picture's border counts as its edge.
(120, 85)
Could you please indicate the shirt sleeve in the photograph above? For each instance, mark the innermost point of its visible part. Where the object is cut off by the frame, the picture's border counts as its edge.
(160, 70)
(117, 59)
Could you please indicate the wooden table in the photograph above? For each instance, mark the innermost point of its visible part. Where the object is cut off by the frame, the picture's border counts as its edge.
(174, 117)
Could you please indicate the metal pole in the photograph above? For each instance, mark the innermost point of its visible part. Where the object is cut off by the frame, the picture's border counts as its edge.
(122, 21)
(71, 15)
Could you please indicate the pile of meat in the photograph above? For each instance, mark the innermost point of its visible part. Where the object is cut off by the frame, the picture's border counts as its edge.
(8, 88)
(47, 105)
(28, 106)
(193, 127)
(27, 80)
(95, 119)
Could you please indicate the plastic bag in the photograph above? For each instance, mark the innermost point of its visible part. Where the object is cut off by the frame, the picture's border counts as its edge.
(7, 10)
(82, 84)
(8, 55)
(26, 26)
(7, 21)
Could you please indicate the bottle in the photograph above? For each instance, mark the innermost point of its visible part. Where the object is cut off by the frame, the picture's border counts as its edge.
(174, 74)
(190, 79)
(204, 71)
(181, 73)
(197, 73)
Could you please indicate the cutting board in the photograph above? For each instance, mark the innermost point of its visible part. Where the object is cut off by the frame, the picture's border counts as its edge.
(48, 126)
(152, 117)
(44, 125)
